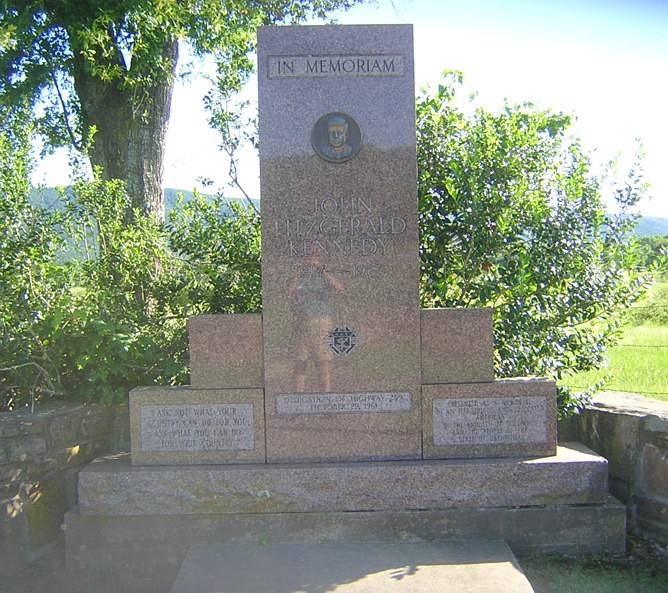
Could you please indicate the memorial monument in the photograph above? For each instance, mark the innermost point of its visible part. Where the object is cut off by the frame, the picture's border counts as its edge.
(342, 346)
(342, 395)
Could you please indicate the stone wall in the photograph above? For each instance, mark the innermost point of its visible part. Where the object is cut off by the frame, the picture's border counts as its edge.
(631, 432)
(40, 457)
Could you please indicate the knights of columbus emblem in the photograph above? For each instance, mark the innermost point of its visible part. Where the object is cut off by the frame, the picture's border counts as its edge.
(342, 340)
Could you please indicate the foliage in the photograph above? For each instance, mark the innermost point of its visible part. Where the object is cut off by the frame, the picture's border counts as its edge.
(98, 74)
(512, 218)
(28, 247)
(654, 255)
(93, 304)
(222, 254)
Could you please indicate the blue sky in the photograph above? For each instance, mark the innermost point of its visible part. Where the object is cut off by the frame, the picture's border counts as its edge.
(604, 61)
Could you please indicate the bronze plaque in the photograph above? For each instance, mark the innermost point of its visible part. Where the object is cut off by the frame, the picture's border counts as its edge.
(336, 137)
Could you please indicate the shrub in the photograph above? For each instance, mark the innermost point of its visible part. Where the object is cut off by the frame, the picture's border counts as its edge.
(512, 218)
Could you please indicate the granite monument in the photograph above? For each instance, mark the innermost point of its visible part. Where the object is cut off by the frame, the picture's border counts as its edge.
(348, 366)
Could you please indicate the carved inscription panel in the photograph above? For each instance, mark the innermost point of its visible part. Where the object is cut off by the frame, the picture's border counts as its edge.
(335, 65)
(489, 420)
(342, 403)
(336, 227)
(197, 427)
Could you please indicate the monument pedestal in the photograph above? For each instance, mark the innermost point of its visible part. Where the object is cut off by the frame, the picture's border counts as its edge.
(139, 523)
(113, 486)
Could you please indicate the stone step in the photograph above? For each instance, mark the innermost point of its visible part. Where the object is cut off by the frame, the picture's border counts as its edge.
(142, 554)
(568, 529)
(451, 567)
(112, 486)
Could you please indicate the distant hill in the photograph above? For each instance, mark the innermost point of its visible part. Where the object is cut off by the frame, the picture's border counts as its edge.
(648, 226)
(48, 198)
(171, 195)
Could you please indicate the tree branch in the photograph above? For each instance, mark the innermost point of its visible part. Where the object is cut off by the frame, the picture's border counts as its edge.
(63, 105)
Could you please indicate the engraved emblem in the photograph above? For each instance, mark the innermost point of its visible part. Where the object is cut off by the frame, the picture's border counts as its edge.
(342, 340)
(336, 137)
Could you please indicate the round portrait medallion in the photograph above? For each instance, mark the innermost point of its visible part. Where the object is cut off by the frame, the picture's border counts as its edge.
(336, 137)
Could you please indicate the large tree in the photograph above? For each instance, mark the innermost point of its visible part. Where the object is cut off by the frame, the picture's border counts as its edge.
(99, 74)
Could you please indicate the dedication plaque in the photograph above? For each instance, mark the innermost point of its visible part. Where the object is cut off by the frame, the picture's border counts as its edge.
(199, 427)
(489, 420)
(506, 418)
(342, 403)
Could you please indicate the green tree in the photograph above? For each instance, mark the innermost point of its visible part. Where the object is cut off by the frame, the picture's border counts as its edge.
(29, 244)
(99, 74)
(512, 218)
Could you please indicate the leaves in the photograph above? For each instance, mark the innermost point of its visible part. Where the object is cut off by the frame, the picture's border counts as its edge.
(512, 218)
(94, 304)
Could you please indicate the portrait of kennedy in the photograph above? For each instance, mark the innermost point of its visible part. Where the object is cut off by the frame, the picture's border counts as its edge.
(336, 137)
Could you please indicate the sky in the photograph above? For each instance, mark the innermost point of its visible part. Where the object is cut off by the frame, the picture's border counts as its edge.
(603, 61)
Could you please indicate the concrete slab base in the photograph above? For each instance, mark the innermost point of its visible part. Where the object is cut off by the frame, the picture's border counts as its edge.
(452, 567)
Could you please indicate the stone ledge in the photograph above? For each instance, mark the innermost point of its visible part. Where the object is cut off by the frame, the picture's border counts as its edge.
(111, 486)
(629, 403)
(631, 431)
(569, 529)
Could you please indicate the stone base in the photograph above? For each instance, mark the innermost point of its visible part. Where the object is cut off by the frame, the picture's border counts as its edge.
(144, 554)
(112, 486)
(135, 525)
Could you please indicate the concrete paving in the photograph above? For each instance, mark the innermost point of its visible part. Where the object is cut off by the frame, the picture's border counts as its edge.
(453, 567)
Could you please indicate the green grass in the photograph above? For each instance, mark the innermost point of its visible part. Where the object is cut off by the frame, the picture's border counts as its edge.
(652, 308)
(638, 364)
(563, 575)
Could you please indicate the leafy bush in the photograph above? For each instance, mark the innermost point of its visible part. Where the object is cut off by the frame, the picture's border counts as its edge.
(29, 244)
(95, 302)
(512, 218)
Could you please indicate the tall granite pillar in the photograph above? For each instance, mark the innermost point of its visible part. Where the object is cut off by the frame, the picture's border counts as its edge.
(341, 315)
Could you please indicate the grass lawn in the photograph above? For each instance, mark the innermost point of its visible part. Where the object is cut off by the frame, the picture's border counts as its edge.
(563, 575)
(638, 364)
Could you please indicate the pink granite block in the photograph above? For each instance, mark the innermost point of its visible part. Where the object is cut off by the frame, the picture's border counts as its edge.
(457, 345)
(509, 418)
(340, 270)
(226, 351)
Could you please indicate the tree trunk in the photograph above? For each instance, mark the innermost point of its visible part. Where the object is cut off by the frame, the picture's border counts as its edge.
(130, 129)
